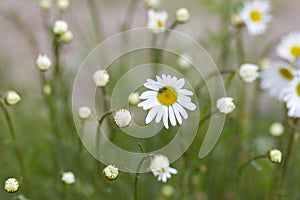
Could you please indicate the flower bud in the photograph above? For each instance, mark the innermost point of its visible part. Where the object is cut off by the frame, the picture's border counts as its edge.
(236, 20)
(275, 156)
(153, 3)
(249, 72)
(68, 177)
(134, 98)
(43, 62)
(167, 190)
(66, 37)
(84, 113)
(276, 129)
(225, 105)
(182, 15)
(122, 118)
(47, 89)
(63, 4)
(60, 27)
(101, 78)
(110, 172)
(45, 4)
(11, 185)
(11, 97)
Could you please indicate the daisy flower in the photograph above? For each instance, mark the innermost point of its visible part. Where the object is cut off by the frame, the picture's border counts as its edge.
(289, 47)
(160, 167)
(292, 98)
(248, 72)
(157, 21)
(122, 118)
(166, 100)
(256, 16)
(110, 172)
(225, 105)
(276, 78)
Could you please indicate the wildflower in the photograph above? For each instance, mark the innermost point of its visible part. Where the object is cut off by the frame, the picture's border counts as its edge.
(134, 98)
(255, 15)
(166, 100)
(225, 105)
(291, 95)
(184, 61)
(276, 129)
(11, 98)
(43, 62)
(68, 177)
(11, 185)
(289, 47)
(45, 4)
(60, 27)
(63, 4)
(122, 118)
(276, 78)
(84, 113)
(275, 156)
(66, 37)
(101, 78)
(157, 21)
(160, 167)
(248, 72)
(110, 172)
(182, 15)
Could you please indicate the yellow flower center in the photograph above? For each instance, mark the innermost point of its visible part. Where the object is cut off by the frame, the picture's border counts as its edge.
(167, 96)
(255, 16)
(286, 74)
(295, 51)
(159, 24)
(298, 89)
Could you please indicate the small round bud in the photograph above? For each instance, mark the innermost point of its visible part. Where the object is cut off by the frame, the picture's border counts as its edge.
(182, 15)
(66, 37)
(225, 105)
(101, 78)
(11, 185)
(134, 98)
(110, 172)
(167, 190)
(276, 129)
(184, 61)
(47, 89)
(248, 72)
(60, 27)
(68, 177)
(63, 4)
(236, 20)
(45, 4)
(84, 113)
(122, 118)
(275, 156)
(11, 97)
(43, 63)
(153, 3)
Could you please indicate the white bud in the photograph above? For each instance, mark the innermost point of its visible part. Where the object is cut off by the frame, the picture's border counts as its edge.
(168, 190)
(11, 97)
(122, 118)
(45, 4)
(60, 27)
(63, 4)
(134, 98)
(101, 78)
(11, 185)
(275, 156)
(66, 37)
(182, 15)
(68, 177)
(153, 3)
(236, 20)
(184, 61)
(249, 72)
(225, 105)
(276, 129)
(43, 62)
(84, 113)
(47, 89)
(110, 172)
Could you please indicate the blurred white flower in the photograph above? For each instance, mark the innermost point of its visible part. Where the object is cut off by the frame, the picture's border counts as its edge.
(11, 97)
(134, 98)
(275, 156)
(166, 100)
(60, 27)
(256, 16)
(43, 62)
(122, 118)
(63, 4)
(184, 61)
(11, 185)
(225, 105)
(47, 89)
(276, 78)
(291, 95)
(289, 47)
(276, 129)
(248, 72)
(182, 15)
(68, 177)
(66, 37)
(157, 21)
(45, 4)
(110, 172)
(160, 167)
(152, 3)
(84, 113)
(101, 78)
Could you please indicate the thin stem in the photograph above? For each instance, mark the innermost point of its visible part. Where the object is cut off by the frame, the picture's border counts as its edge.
(100, 121)
(95, 19)
(137, 174)
(129, 15)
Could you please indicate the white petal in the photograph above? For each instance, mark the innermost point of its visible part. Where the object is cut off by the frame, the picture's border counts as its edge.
(151, 114)
(149, 103)
(176, 112)
(164, 178)
(159, 115)
(182, 111)
(164, 78)
(159, 80)
(172, 116)
(148, 94)
(185, 92)
(180, 83)
(172, 170)
(165, 117)
(187, 104)
(152, 86)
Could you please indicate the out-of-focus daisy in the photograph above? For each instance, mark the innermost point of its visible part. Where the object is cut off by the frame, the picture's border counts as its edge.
(68, 177)
(182, 15)
(276, 78)
(122, 118)
(84, 113)
(166, 100)
(225, 105)
(110, 172)
(160, 167)
(255, 15)
(291, 95)
(11, 185)
(289, 47)
(101, 78)
(248, 72)
(157, 21)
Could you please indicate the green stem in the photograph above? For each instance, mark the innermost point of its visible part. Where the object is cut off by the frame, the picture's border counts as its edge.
(95, 18)
(137, 174)
(129, 15)
(100, 121)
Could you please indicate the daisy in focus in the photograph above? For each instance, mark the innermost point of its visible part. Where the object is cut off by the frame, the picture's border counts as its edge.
(256, 16)
(160, 167)
(166, 100)
(292, 98)
(276, 77)
(157, 21)
(289, 47)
